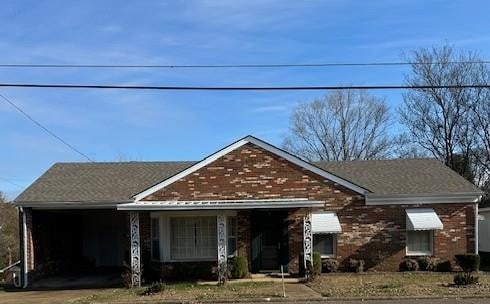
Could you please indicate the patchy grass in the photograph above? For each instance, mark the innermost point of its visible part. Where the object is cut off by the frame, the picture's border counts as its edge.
(396, 284)
(190, 291)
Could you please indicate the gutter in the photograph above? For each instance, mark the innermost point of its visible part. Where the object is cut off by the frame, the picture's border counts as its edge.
(403, 199)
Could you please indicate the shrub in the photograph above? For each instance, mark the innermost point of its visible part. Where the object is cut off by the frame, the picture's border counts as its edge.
(468, 262)
(153, 288)
(356, 265)
(126, 277)
(465, 279)
(238, 267)
(427, 263)
(317, 263)
(409, 265)
(444, 266)
(330, 265)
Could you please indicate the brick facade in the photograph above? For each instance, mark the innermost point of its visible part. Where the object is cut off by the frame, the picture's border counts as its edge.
(373, 233)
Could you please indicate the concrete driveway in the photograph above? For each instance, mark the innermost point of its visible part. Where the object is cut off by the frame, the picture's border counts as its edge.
(44, 297)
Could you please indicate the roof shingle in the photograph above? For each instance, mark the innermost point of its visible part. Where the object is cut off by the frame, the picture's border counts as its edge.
(120, 181)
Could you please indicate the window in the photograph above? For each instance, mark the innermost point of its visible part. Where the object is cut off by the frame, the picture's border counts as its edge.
(325, 244)
(193, 238)
(155, 239)
(419, 242)
(232, 235)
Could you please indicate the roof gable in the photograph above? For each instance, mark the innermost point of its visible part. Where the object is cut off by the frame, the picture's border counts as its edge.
(261, 144)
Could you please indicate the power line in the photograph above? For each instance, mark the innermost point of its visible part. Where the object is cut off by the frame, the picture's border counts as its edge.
(241, 88)
(217, 66)
(11, 182)
(10, 102)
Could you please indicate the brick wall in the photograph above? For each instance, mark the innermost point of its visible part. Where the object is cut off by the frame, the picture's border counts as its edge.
(373, 233)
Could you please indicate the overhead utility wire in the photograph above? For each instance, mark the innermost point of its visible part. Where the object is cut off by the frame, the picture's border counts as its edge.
(240, 88)
(212, 66)
(11, 182)
(10, 102)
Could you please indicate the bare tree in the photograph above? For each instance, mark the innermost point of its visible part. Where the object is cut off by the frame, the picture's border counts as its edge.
(343, 125)
(441, 120)
(9, 232)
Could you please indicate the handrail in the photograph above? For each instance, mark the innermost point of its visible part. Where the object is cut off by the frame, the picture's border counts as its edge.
(10, 266)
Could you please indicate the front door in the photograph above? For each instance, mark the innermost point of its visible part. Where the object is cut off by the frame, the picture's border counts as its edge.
(269, 240)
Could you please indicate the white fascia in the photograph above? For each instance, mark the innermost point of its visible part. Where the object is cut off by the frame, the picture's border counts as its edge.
(420, 199)
(268, 147)
(221, 204)
(70, 205)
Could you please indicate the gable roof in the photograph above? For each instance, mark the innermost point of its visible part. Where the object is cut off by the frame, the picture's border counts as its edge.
(402, 176)
(259, 143)
(110, 182)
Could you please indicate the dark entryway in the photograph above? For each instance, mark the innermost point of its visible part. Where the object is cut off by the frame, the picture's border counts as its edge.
(269, 240)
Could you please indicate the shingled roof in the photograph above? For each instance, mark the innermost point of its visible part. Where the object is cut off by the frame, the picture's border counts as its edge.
(401, 176)
(120, 181)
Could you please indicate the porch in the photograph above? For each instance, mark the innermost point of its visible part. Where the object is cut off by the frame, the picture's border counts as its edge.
(163, 241)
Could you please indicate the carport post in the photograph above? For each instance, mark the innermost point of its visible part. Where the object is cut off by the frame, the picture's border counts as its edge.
(308, 245)
(134, 222)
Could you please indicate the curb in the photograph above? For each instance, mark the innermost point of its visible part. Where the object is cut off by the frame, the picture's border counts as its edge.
(322, 299)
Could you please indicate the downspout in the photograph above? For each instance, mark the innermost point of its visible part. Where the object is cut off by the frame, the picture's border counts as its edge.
(24, 247)
(476, 227)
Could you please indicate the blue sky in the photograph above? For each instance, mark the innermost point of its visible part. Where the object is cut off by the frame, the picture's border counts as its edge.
(144, 125)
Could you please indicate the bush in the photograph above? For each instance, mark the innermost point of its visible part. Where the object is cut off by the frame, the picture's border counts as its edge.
(444, 266)
(330, 265)
(317, 263)
(153, 288)
(427, 263)
(409, 265)
(465, 279)
(356, 265)
(126, 276)
(469, 262)
(238, 267)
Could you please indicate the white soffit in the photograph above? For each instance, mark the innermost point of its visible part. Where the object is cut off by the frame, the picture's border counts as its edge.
(327, 222)
(255, 141)
(423, 219)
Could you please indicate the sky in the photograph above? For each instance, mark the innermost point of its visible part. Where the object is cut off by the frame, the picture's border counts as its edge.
(167, 125)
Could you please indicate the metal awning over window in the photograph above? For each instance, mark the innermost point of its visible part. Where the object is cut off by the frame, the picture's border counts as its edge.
(423, 219)
(326, 222)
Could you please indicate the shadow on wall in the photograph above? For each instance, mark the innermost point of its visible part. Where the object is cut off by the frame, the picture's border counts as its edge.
(384, 251)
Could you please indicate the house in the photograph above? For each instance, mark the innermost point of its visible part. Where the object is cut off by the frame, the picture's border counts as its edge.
(249, 199)
(484, 233)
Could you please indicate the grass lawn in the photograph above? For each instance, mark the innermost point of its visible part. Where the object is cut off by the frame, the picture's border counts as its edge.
(396, 284)
(190, 291)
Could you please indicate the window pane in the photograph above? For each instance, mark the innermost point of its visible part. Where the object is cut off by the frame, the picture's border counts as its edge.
(323, 243)
(193, 238)
(419, 241)
(232, 235)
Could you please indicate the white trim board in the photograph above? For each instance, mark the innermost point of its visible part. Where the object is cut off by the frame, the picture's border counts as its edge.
(372, 200)
(221, 204)
(268, 147)
(70, 205)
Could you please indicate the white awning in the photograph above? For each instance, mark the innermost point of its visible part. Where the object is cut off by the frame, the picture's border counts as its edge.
(326, 222)
(423, 219)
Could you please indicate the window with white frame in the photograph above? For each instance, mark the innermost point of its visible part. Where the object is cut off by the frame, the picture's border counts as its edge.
(420, 242)
(193, 238)
(324, 243)
(155, 238)
(232, 235)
